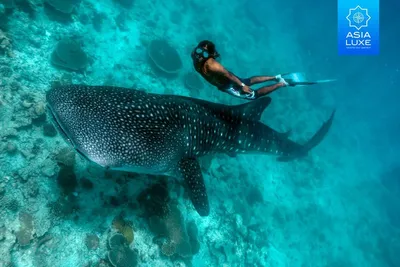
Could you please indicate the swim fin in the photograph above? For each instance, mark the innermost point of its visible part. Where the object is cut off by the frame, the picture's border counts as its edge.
(299, 79)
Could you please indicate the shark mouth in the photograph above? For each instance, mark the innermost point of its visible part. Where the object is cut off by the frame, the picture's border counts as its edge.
(62, 132)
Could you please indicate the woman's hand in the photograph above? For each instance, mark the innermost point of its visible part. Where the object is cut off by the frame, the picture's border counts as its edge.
(246, 89)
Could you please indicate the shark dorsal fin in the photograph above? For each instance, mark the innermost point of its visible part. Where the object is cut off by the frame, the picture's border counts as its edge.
(249, 111)
(252, 110)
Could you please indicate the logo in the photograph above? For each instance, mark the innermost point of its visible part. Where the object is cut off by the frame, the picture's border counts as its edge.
(358, 27)
(358, 17)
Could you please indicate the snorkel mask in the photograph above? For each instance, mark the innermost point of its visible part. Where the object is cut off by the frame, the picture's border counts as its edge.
(202, 52)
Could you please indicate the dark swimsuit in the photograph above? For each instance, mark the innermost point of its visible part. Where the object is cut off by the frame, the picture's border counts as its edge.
(228, 86)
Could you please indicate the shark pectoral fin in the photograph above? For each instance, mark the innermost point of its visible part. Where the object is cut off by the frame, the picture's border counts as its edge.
(190, 170)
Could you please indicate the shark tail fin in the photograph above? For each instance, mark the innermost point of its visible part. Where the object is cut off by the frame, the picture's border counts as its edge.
(254, 109)
(313, 142)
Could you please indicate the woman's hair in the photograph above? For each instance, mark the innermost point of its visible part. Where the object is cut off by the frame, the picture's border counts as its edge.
(210, 46)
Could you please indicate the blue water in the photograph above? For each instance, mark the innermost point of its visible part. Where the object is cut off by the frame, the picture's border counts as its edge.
(338, 207)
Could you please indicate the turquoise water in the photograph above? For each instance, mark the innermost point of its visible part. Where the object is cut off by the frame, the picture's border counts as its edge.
(337, 207)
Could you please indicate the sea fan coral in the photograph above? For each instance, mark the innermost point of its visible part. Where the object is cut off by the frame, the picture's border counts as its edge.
(117, 240)
(164, 56)
(68, 54)
(168, 249)
(64, 6)
(119, 254)
(123, 257)
(124, 227)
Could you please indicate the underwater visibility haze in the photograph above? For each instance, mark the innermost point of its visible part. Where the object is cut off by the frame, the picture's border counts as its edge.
(195, 133)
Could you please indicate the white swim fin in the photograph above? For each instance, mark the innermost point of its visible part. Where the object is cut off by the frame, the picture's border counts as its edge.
(299, 79)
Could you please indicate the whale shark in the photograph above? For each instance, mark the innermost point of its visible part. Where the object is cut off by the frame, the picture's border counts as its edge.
(131, 130)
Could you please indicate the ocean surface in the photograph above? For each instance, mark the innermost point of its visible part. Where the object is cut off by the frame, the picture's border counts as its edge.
(337, 207)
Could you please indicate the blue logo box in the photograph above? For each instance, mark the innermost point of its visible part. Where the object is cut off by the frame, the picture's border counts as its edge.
(358, 27)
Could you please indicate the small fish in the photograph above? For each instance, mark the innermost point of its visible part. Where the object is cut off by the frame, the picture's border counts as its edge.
(131, 130)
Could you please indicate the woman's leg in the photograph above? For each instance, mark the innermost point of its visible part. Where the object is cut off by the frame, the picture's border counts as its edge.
(268, 89)
(260, 79)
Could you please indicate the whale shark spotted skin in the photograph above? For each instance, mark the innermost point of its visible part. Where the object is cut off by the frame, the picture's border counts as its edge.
(131, 130)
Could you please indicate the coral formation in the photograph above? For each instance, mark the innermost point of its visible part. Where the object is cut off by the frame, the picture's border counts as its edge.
(49, 130)
(24, 234)
(172, 226)
(12, 205)
(86, 183)
(63, 79)
(5, 45)
(168, 248)
(92, 241)
(124, 227)
(254, 196)
(166, 221)
(68, 54)
(154, 199)
(123, 257)
(120, 255)
(164, 56)
(117, 240)
(65, 157)
(67, 180)
(64, 6)
(63, 207)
